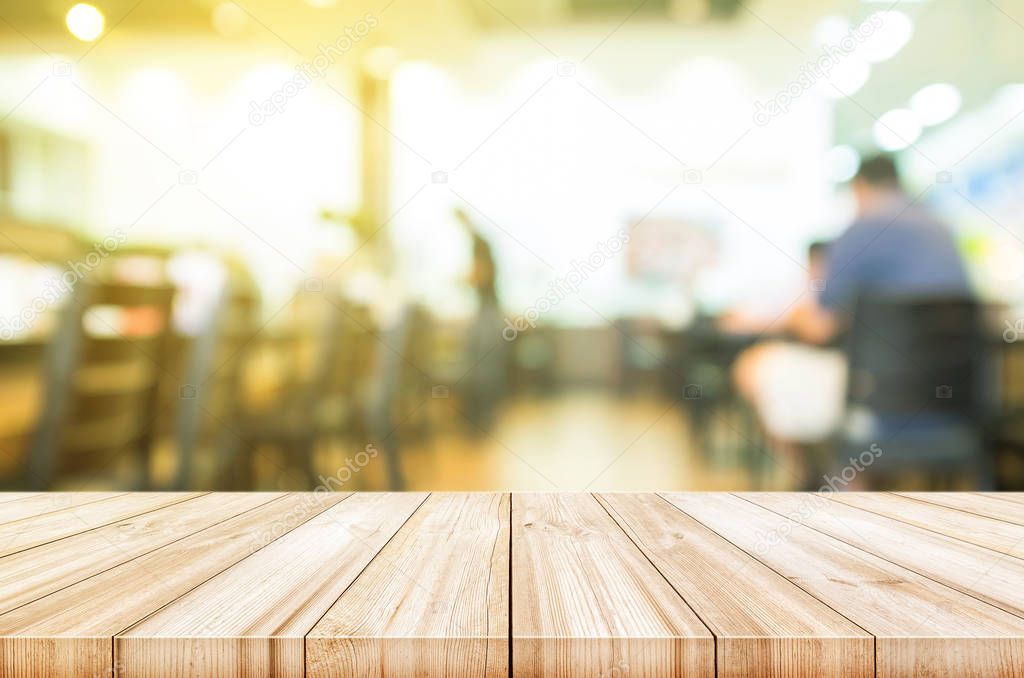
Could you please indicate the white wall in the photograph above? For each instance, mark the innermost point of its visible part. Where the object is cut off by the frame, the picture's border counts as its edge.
(572, 166)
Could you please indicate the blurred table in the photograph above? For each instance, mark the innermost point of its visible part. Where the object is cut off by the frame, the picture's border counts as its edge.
(342, 584)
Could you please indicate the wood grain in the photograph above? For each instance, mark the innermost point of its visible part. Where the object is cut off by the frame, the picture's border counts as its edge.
(681, 584)
(992, 534)
(20, 535)
(764, 625)
(443, 580)
(1016, 497)
(12, 496)
(38, 504)
(921, 627)
(992, 577)
(37, 572)
(252, 618)
(70, 632)
(585, 601)
(972, 502)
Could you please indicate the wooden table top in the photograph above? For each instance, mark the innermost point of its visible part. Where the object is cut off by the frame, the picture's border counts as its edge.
(473, 584)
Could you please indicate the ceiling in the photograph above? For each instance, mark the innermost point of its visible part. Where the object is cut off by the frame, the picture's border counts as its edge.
(412, 21)
(973, 44)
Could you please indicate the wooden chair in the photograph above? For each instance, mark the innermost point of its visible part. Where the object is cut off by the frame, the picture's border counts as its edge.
(328, 356)
(388, 404)
(26, 249)
(919, 389)
(21, 378)
(209, 393)
(103, 379)
(1007, 427)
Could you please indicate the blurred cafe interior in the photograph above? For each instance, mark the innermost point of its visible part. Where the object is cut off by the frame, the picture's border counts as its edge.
(512, 244)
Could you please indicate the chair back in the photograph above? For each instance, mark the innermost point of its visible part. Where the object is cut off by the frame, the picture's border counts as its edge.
(918, 355)
(210, 392)
(103, 383)
(345, 358)
(918, 390)
(33, 259)
(318, 377)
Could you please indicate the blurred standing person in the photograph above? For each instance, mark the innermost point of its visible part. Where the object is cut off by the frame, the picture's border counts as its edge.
(485, 381)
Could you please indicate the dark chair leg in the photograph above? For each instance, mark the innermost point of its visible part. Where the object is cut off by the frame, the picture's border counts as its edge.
(307, 447)
(986, 472)
(396, 479)
(234, 464)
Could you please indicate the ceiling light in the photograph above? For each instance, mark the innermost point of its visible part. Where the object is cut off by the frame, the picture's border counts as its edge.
(846, 77)
(897, 129)
(890, 31)
(831, 30)
(229, 19)
(85, 22)
(936, 103)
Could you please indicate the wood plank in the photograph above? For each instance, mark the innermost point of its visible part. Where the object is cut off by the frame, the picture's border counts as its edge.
(921, 627)
(586, 602)
(443, 582)
(992, 534)
(27, 533)
(764, 625)
(993, 577)
(251, 619)
(38, 504)
(37, 572)
(1017, 497)
(70, 632)
(972, 502)
(12, 496)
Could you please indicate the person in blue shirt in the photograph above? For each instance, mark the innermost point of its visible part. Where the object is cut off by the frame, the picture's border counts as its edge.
(894, 246)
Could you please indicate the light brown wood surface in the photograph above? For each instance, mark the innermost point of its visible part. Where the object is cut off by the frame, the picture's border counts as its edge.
(70, 632)
(36, 572)
(253, 617)
(990, 506)
(1017, 497)
(19, 535)
(465, 584)
(921, 627)
(991, 533)
(444, 581)
(27, 505)
(585, 600)
(764, 624)
(11, 496)
(992, 577)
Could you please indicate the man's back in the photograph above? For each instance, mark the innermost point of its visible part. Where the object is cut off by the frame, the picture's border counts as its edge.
(901, 251)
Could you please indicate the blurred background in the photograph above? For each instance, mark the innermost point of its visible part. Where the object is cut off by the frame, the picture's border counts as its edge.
(511, 244)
